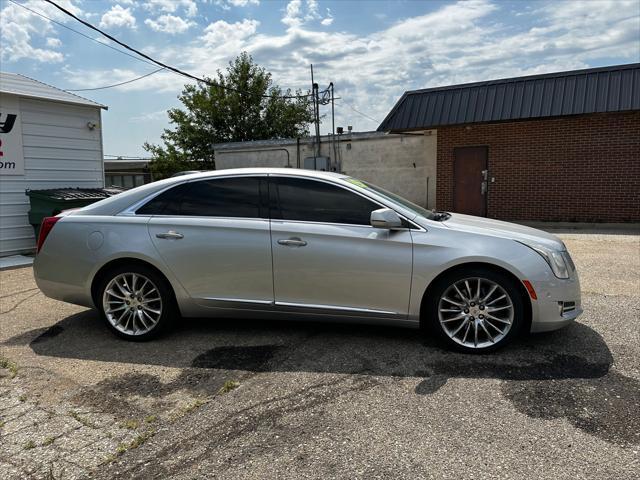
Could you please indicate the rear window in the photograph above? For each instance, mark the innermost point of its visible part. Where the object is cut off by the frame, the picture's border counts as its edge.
(220, 197)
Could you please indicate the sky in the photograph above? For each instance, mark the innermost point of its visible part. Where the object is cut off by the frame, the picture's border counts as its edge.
(372, 51)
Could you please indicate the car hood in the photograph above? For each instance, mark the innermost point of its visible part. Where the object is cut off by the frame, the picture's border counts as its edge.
(498, 228)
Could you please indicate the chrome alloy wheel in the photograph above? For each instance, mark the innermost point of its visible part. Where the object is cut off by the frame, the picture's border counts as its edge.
(475, 312)
(132, 303)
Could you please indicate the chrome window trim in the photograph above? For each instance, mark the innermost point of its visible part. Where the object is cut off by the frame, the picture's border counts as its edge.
(131, 210)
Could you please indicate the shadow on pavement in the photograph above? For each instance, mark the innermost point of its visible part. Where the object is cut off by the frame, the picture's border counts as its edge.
(564, 374)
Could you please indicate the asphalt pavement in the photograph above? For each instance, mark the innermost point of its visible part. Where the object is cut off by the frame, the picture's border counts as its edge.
(265, 399)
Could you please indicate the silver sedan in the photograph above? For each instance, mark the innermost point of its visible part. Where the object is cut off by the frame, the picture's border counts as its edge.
(304, 245)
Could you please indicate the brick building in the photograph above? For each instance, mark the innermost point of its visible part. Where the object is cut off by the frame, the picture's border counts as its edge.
(554, 147)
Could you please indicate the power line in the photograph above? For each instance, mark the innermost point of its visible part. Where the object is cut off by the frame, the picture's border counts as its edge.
(157, 62)
(80, 33)
(117, 84)
(359, 112)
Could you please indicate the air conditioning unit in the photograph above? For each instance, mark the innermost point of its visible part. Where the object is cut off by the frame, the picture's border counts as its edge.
(317, 163)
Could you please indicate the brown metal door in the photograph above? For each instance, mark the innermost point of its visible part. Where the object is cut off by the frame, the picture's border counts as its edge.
(469, 180)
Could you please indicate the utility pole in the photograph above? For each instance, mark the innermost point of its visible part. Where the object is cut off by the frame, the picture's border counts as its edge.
(316, 117)
(333, 128)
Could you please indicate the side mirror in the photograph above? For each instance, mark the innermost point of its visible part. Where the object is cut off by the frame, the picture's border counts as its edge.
(385, 218)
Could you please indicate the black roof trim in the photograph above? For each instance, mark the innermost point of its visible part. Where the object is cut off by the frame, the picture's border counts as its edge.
(591, 90)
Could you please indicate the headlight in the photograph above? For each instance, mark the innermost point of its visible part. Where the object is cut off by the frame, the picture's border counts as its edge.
(557, 260)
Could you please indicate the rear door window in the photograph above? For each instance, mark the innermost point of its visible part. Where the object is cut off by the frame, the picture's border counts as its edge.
(219, 197)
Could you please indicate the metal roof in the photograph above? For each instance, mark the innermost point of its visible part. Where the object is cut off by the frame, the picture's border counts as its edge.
(16, 84)
(605, 89)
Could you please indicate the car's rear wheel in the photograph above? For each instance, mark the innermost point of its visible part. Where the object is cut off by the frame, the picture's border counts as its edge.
(136, 302)
(476, 310)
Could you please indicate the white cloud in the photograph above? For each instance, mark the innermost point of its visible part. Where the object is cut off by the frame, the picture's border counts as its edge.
(118, 17)
(53, 42)
(312, 10)
(171, 6)
(20, 29)
(243, 3)
(220, 34)
(292, 13)
(297, 13)
(455, 43)
(328, 20)
(170, 24)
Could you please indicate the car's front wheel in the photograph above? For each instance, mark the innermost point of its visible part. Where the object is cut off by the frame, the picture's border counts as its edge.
(135, 302)
(476, 310)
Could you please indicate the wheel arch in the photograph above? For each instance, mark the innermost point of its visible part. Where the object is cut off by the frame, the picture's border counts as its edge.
(528, 310)
(117, 262)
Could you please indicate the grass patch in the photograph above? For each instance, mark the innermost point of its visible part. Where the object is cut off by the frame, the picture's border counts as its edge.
(131, 424)
(48, 441)
(23, 397)
(2, 423)
(135, 443)
(29, 445)
(7, 364)
(79, 418)
(228, 386)
(197, 403)
(150, 419)
(139, 440)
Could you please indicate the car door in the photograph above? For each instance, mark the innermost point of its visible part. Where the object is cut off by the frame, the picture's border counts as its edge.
(327, 258)
(214, 236)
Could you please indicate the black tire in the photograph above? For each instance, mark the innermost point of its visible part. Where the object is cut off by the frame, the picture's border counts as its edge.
(169, 310)
(443, 285)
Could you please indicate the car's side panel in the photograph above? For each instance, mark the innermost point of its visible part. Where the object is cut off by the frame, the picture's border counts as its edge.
(440, 249)
(80, 245)
(342, 268)
(218, 261)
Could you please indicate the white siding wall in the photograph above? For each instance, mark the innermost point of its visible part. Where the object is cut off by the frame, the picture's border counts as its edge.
(59, 151)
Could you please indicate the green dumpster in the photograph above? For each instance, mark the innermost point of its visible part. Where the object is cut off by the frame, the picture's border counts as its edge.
(47, 203)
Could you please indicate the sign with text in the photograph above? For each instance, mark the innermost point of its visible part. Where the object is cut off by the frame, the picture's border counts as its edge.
(11, 155)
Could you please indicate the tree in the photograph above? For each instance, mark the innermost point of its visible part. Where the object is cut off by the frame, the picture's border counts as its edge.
(239, 105)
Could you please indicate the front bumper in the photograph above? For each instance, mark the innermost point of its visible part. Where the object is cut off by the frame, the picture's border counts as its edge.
(559, 303)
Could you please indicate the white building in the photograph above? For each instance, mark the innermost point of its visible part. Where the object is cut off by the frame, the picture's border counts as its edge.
(49, 138)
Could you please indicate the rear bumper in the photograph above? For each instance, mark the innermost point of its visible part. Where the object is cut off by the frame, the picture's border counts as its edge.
(47, 275)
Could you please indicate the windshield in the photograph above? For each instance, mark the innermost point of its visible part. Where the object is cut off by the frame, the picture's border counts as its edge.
(417, 209)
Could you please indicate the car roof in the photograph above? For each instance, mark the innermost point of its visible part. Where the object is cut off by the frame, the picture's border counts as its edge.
(263, 171)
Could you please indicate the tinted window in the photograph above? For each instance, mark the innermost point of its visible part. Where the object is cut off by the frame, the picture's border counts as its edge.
(314, 201)
(222, 197)
(169, 201)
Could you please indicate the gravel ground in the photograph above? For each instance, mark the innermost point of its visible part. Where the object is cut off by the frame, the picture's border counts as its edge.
(257, 399)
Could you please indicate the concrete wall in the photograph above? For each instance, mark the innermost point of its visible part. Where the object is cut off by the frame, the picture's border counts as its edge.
(403, 164)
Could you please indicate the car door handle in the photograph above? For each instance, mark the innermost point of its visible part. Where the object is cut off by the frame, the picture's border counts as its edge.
(292, 242)
(170, 235)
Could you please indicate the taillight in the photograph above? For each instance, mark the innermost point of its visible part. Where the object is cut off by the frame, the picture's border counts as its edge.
(45, 227)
